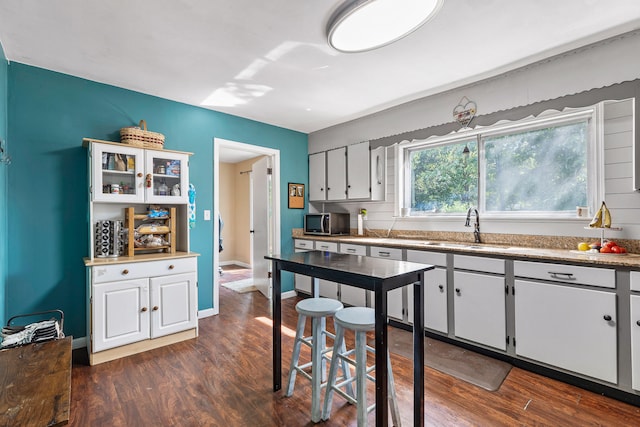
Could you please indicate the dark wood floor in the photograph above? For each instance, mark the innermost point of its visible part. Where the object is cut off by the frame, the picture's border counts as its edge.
(223, 378)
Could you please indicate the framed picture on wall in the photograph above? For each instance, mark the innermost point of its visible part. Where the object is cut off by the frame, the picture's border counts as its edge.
(296, 196)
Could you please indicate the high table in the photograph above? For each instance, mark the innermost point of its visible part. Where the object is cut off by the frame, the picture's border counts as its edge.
(373, 274)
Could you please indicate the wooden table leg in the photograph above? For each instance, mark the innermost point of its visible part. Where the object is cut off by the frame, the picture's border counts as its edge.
(418, 352)
(277, 327)
(382, 407)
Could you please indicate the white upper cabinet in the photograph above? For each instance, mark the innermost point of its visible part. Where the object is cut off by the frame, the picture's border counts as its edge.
(337, 174)
(121, 173)
(348, 173)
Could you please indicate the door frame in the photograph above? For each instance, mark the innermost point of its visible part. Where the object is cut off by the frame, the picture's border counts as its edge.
(275, 177)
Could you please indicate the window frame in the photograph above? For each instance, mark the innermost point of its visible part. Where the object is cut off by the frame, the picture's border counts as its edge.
(595, 159)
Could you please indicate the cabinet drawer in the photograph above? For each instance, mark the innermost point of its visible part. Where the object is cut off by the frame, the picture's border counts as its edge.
(391, 253)
(635, 280)
(425, 257)
(303, 244)
(327, 246)
(346, 248)
(137, 270)
(488, 265)
(602, 277)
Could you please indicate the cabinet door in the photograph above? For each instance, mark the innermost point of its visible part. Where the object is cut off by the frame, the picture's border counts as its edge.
(479, 309)
(378, 168)
(117, 173)
(120, 313)
(435, 300)
(301, 282)
(395, 303)
(174, 305)
(166, 177)
(327, 288)
(635, 342)
(351, 295)
(567, 327)
(337, 174)
(358, 171)
(317, 176)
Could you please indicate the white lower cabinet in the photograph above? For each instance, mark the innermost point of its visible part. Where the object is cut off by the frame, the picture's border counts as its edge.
(567, 327)
(302, 283)
(351, 295)
(479, 308)
(635, 342)
(435, 290)
(327, 288)
(133, 302)
(394, 298)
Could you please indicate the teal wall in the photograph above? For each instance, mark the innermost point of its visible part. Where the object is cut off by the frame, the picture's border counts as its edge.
(48, 201)
(3, 185)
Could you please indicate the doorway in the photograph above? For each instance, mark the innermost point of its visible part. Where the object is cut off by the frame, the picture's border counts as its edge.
(264, 222)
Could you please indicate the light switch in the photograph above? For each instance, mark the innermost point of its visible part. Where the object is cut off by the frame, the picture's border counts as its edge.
(207, 215)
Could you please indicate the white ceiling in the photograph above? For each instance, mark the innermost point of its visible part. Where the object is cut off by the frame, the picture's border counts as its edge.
(268, 60)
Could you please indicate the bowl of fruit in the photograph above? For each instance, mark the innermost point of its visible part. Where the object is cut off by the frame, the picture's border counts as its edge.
(608, 247)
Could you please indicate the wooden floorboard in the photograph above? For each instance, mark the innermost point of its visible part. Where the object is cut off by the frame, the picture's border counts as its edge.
(223, 378)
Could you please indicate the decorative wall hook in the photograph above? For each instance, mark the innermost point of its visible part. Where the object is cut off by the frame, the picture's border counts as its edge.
(465, 111)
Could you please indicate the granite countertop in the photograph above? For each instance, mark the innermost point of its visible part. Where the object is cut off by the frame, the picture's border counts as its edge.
(502, 251)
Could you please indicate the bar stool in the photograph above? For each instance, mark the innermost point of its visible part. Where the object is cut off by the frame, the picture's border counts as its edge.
(318, 309)
(360, 320)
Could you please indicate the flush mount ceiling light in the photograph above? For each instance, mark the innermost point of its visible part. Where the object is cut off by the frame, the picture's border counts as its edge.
(361, 25)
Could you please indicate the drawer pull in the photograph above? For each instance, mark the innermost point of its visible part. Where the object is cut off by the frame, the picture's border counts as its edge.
(351, 250)
(324, 247)
(143, 309)
(171, 267)
(607, 317)
(562, 276)
(155, 308)
(384, 254)
(441, 287)
(125, 271)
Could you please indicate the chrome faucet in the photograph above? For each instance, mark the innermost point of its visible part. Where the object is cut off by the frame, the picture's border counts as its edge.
(476, 225)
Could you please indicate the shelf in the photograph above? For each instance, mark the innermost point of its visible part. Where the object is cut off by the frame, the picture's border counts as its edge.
(115, 172)
(132, 217)
(603, 228)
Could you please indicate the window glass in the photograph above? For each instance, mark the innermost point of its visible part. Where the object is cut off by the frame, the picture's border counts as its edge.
(444, 178)
(542, 170)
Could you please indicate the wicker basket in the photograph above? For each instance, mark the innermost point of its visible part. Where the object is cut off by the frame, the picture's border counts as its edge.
(139, 136)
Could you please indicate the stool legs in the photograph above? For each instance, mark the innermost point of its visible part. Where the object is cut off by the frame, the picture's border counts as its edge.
(296, 355)
(340, 354)
(317, 347)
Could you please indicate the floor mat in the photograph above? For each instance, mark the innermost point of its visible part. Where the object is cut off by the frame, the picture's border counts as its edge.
(241, 286)
(474, 368)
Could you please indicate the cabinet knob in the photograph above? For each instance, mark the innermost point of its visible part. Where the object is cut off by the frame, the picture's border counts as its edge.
(125, 271)
(155, 308)
(171, 267)
(458, 291)
(441, 287)
(638, 323)
(139, 175)
(143, 309)
(607, 317)
(148, 180)
(328, 188)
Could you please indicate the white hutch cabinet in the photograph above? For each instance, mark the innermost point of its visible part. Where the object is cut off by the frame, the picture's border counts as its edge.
(137, 303)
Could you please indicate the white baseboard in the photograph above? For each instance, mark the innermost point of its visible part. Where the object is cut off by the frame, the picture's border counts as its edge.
(289, 294)
(208, 312)
(79, 343)
(241, 264)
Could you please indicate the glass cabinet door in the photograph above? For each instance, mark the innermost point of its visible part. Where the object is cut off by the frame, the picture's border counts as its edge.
(166, 177)
(117, 173)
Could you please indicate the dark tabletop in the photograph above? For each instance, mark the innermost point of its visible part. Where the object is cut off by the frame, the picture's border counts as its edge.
(358, 270)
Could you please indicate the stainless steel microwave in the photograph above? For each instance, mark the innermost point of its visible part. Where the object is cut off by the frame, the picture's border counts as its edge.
(327, 224)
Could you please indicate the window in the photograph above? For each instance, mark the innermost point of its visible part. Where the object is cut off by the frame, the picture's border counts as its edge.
(542, 166)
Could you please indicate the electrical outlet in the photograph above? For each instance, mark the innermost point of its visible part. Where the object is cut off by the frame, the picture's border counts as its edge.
(207, 215)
